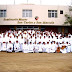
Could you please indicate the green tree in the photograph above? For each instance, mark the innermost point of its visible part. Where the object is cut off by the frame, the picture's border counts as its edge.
(68, 17)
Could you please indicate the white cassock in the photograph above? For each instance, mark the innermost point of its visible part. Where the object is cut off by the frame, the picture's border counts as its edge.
(25, 48)
(9, 47)
(47, 39)
(28, 36)
(25, 36)
(0, 46)
(19, 37)
(33, 40)
(48, 48)
(66, 40)
(4, 44)
(53, 48)
(16, 47)
(6, 39)
(39, 47)
(16, 39)
(36, 48)
(44, 40)
(21, 43)
(60, 40)
(29, 31)
(12, 39)
(44, 48)
(4, 47)
(59, 35)
(68, 47)
(69, 35)
(50, 39)
(11, 35)
(40, 40)
(57, 40)
(38, 35)
(29, 40)
(54, 39)
(70, 41)
(19, 31)
(0, 42)
(31, 48)
(37, 40)
(63, 50)
(71, 48)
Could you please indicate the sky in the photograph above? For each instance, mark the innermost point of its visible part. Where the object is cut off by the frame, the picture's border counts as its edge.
(37, 2)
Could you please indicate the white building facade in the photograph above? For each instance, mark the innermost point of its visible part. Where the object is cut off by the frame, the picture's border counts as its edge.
(28, 16)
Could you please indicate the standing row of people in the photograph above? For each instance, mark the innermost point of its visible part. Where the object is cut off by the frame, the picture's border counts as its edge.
(35, 41)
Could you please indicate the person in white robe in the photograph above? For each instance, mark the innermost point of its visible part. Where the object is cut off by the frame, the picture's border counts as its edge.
(25, 48)
(66, 39)
(44, 47)
(52, 48)
(68, 47)
(29, 36)
(49, 38)
(0, 41)
(33, 39)
(63, 47)
(37, 39)
(21, 43)
(60, 40)
(58, 47)
(71, 48)
(59, 35)
(16, 39)
(4, 44)
(70, 41)
(40, 47)
(9, 46)
(35, 47)
(48, 47)
(40, 40)
(30, 40)
(33, 31)
(43, 39)
(17, 46)
(69, 34)
(29, 31)
(31, 47)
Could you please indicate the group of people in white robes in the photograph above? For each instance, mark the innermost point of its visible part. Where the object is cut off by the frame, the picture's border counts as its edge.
(35, 41)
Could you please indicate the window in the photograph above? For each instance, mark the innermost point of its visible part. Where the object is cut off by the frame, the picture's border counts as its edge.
(24, 27)
(30, 26)
(52, 13)
(27, 13)
(2, 13)
(36, 27)
(61, 11)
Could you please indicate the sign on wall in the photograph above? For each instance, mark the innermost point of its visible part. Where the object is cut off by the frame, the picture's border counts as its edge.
(25, 21)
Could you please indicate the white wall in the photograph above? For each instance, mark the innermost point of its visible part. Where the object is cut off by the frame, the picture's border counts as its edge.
(15, 11)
